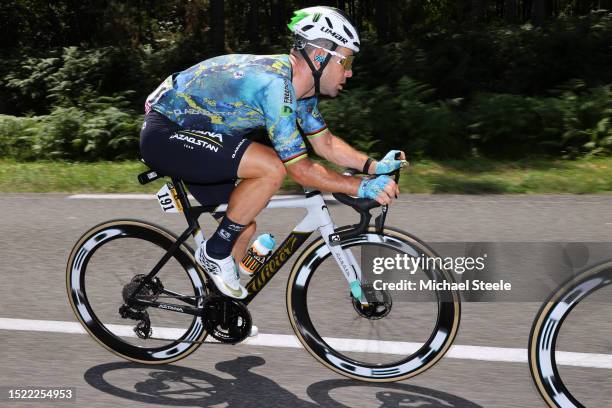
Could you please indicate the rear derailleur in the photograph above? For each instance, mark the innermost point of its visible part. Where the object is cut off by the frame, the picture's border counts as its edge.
(129, 310)
(143, 327)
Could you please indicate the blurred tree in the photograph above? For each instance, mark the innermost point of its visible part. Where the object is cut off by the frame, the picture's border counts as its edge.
(510, 11)
(382, 20)
(278, 19)
(217, 20)
(478, 10)
(540, 11)
(253, 22)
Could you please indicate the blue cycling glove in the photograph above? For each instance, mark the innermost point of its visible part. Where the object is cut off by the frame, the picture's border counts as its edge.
(372, 187)
(389, 163)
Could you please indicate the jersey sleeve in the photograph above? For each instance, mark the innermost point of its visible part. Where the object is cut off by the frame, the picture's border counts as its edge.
(279, 107)
(309, 118)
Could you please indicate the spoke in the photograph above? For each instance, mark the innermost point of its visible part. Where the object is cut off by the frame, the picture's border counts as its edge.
(377, 329)
(371, 329)
(384, 323)
(353, 323)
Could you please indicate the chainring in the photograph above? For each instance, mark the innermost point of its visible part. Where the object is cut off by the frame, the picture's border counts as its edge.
(226, 320)
(379, 303)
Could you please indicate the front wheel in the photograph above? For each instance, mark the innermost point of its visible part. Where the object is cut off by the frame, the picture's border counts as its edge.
(105, 269)
(392, 339)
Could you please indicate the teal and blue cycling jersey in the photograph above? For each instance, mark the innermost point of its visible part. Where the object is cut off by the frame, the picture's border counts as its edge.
(234, 94)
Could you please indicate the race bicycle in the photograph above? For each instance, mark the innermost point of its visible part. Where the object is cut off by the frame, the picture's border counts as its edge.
(138, 291)
(547, 330)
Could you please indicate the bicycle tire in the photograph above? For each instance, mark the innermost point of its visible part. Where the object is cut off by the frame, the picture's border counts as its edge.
(545, 331)
(437, 344)
(146, 233)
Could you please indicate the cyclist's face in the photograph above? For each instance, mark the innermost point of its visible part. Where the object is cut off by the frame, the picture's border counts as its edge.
(335, 75)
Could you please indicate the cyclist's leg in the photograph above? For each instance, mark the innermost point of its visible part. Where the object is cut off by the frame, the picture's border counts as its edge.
(220, 194)
(241, 244)
(262, 175)
(202, 158)
(206, 161)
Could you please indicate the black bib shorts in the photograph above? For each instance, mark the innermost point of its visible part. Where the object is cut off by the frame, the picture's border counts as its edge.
(207, 161)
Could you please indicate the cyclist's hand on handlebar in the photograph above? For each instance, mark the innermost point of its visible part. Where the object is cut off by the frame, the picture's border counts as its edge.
(389, 163)
(382, 189)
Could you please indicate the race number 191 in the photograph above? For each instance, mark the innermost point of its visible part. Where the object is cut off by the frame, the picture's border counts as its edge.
(168, 199)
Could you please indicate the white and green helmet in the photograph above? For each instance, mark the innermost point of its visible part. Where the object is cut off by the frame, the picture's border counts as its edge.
(327, 23)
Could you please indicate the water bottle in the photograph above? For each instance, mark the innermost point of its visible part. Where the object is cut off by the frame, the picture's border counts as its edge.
(256, 254)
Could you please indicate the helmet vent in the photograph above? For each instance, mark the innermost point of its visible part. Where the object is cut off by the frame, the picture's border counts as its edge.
(308, 27)
(346, 30)
(329, 23)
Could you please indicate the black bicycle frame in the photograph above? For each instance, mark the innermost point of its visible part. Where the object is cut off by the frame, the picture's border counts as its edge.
(260, 279)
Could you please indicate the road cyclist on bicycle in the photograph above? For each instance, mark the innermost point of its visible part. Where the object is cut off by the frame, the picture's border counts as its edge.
(197, 120)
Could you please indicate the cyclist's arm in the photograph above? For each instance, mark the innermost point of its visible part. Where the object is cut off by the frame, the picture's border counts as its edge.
(337, 151)
(309, 173)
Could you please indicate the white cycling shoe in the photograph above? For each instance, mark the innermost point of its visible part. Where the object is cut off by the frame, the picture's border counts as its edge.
(223, 273)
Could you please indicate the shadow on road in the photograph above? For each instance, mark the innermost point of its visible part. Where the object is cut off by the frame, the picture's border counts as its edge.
(386, 395)
(181, 386)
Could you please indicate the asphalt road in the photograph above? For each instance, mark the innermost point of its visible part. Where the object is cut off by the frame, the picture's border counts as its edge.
(39, 230)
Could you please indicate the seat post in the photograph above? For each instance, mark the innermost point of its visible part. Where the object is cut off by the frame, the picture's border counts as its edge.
(182, 196)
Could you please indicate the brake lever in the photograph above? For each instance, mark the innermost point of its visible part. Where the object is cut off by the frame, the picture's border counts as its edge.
(363, 208)
(382, 217)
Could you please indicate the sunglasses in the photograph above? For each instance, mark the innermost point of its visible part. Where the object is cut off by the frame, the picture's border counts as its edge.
(344, 60)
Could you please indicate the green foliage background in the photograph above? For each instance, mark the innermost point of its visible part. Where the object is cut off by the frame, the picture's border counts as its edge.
(441, 80)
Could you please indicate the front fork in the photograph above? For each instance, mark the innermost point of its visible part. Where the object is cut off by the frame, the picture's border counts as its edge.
(351, 269)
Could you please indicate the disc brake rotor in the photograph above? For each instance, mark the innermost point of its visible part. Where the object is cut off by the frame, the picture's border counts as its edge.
(379, 303)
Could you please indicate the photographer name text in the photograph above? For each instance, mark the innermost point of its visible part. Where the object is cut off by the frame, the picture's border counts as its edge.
(433, 285)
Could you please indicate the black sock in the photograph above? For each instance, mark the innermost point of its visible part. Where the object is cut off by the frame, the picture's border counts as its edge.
(220, 245)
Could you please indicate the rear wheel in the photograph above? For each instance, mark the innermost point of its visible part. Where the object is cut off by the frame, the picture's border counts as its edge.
(391, 339)
(108, 263)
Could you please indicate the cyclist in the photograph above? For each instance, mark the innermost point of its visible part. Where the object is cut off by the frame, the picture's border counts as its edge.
(196, 122)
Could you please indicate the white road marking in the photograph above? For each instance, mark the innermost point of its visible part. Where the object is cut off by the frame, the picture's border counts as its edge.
(503, 354)
(113, 197)
(152, 197)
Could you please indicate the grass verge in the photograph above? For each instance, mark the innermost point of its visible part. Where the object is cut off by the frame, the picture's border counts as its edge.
(478, 176)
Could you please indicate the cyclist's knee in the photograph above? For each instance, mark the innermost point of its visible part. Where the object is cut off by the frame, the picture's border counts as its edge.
(261, 161)
(272, 167)
(277, 173)
(273, 170)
